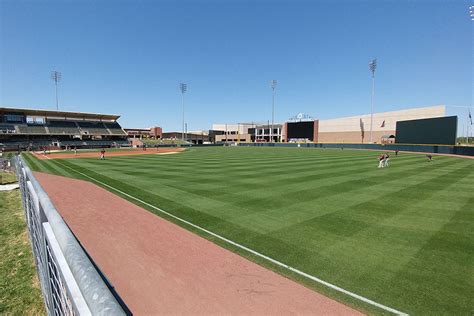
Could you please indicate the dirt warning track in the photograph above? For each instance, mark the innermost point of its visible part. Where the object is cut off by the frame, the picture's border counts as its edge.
(113, 153)
(158, 267)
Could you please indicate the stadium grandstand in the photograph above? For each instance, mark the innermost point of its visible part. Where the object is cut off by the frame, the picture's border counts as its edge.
(29, 129)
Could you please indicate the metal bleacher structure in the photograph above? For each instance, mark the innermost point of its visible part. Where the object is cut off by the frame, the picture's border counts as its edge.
(29, 129)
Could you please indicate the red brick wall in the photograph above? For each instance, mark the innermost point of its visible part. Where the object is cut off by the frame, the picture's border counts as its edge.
(156, 132)
(316, 131)
(136, 142)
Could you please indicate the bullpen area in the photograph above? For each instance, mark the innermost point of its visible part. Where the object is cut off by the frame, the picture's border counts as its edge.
(379, 240)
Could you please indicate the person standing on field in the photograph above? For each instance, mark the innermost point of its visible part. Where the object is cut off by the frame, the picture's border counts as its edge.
(102, 154)
(386, 159)
(381, 160)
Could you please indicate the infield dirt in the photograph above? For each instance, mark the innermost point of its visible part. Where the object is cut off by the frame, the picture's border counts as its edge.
(114, 153)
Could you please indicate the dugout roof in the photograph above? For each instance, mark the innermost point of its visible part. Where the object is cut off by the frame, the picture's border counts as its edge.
(62, 114)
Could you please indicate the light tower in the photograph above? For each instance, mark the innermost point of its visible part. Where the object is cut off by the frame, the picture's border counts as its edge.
(56, 76)
(183, 87)
(273, 85)
(471, 13)
(372, 67)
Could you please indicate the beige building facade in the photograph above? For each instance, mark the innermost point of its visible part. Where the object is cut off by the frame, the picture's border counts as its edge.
(356, 129)
(233, 132)
(352, 129)
(234, 138)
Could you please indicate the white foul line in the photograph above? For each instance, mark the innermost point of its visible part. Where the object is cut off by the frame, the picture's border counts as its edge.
(278, 263)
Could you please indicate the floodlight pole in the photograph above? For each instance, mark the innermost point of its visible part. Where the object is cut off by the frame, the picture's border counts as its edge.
(273, 84)
(56, 76)
(57, 102)
(471, 14)
(372, 67)
(238, 133)
(183, 87)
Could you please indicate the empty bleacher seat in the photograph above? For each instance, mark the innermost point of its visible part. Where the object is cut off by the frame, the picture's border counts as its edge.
(63, 128)
(32, 129)
(7, 129)
(115, 128)
(93, 128)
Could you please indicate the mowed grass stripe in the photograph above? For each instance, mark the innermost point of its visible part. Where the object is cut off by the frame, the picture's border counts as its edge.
(244, 166)
(235, 164)
(217, 206)
(327, 211)
(288, 212)
(383, 215)
(192, 199)
(244, 182)
(250, 251)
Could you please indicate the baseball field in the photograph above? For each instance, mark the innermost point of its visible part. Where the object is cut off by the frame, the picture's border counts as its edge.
(401, 236)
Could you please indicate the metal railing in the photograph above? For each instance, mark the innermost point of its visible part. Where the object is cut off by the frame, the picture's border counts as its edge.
(70, 283)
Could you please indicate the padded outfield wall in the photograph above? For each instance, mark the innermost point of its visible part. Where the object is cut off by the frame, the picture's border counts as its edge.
(440, 130)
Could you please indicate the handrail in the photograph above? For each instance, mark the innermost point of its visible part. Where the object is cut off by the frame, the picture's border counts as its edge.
(70, 282)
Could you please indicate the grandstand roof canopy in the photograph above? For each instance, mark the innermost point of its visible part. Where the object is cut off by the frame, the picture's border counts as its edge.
(61, 114)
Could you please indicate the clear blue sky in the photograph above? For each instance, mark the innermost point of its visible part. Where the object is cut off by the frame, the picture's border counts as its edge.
(128, 57)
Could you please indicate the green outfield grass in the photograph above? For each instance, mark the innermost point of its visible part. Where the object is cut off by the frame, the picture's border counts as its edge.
(402, 236)
(20, 293)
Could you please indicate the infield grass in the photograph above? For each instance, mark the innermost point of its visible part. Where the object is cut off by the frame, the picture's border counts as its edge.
(402, 236)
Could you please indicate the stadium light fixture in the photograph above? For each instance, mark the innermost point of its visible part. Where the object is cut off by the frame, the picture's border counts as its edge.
(56, 76)
(184, 88)
(372, 67)
(471, 12)
(273, 85)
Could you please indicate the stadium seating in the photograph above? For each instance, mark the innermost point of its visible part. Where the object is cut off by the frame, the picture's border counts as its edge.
(7, 129)
(25, 129)
(32, 129)
(115, 128)
(93, 128)
(63, 128)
